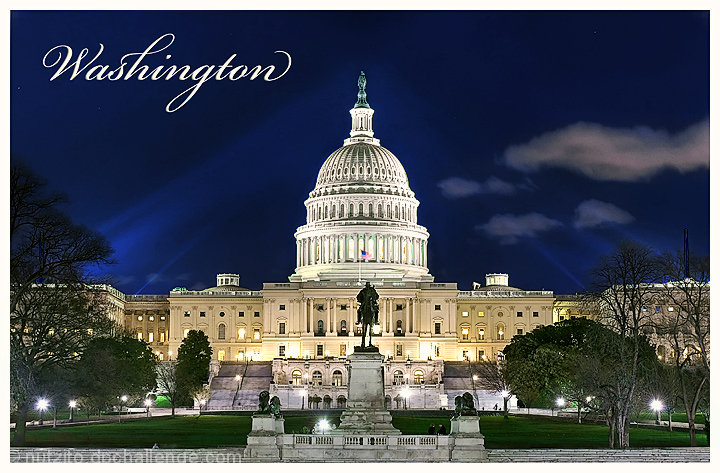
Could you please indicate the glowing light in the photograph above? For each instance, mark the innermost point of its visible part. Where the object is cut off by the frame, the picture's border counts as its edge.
(560, 402)
(124, 398)
(241, 333)
(588, 399)
(323, 425)
(72, 404)
(42, 404)
(202, 402)
(148, 402)
(475, 377)
(656, 405)
(504, 394)
(237, 377)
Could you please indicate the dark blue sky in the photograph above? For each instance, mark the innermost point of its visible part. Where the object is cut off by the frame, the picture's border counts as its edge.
(533, 141)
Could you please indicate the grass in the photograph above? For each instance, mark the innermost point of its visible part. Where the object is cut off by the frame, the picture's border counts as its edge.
(231, 430)
(676, 417)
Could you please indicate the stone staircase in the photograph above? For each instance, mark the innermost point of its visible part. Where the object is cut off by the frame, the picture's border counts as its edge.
(229, 393)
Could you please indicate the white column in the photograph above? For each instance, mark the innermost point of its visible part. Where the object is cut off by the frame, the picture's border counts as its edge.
(303, 315)
(413, 315)
(311, 315)
(406, 326)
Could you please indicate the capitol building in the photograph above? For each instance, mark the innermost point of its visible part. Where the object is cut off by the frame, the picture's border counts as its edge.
(293, 337)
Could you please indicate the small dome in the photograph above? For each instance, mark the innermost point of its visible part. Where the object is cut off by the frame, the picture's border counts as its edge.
(362, 162)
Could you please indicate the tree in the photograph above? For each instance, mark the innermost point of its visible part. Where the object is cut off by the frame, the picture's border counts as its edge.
(686, 329)
(54, 309)
(193, 364)
(623, 289)
(202, 395)
(492, 376)
(112, 367)
(167, 382)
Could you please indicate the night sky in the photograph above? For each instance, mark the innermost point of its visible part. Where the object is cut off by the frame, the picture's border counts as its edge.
(533, 141)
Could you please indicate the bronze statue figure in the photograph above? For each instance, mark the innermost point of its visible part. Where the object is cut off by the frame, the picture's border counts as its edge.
(465, 405)
(275, 406)
(264, 403)
(367, 312)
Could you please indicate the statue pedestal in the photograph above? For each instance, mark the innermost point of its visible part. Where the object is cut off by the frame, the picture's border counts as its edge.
(262, 439)
(468, 442)
(366, 410)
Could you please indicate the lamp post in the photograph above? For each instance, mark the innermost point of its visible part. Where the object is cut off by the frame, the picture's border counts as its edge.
(506, 397)
(41, 406)
(406, 395)
(148, 403)
(72, 405)
(560, 403)
(123, 399)
(202, 403)
(657, 406)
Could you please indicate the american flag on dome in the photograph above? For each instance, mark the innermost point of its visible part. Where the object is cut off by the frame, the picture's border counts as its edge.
(365, 255)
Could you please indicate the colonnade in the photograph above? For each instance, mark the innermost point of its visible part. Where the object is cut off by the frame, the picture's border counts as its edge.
(347, 248)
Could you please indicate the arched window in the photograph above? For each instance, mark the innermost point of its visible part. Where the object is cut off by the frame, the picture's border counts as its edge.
(501, 332)
(661, 352)
(337, 378)
(350, 211)
(403, 212)
(325, 214)
(360, 210)
(221, 332)
(317, 378)
(320, 326)
(397, 377)
(419, 377)
(296, 377)
(389, 214)
(332, 212)
(370, 210)
(313, 214)
(241, 333)
(342, 210)
(397, 212)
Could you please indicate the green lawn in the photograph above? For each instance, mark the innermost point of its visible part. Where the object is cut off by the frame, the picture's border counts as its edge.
(676, 417)
(229, 430)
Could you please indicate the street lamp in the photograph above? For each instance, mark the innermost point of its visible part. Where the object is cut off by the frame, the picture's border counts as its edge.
(323, 425)
(73, 405)
(657, 406)
(303, 393)
(506, 397)
(42, 406)
(560, 402)
(148, 403)
(123, 399)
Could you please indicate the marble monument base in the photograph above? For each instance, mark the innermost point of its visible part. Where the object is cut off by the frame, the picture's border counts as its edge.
(262, 440)
(366, 410)
(468, 442)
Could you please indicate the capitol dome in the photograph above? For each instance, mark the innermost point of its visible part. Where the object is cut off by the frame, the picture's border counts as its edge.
(361, 210)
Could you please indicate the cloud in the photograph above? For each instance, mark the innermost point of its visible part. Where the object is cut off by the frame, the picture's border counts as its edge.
(459, 187)
(509, 228)
(614, 154)
(593, 213)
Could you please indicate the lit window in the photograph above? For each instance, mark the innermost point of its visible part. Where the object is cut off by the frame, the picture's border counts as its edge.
(317, 377)
(671, 308)
(281, 350)
(221, 355)
(481, 334)
(398, 377)
(256, 334)
(481, 355)
(140, 317)
(241, 333)
(343, 349)
(500, 356)
(160, 356)
(162, 336)
(185, 332)
(465, 333)
(464, 314)
(221, 332)
(139, 335)
(89, 331)
(419, 377)
(296, 377)
(337, 378)
(162, 317)
(500, 333)
(151, 318)
(398, 350)
(481, 313)
(151, 337)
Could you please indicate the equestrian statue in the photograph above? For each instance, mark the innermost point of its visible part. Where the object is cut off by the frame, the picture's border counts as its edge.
(368, 313)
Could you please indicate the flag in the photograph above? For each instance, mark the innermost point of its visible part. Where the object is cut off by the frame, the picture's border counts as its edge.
(364, 255)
